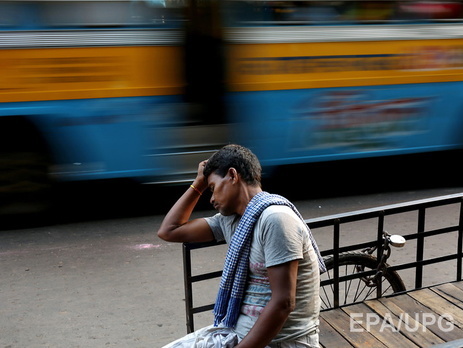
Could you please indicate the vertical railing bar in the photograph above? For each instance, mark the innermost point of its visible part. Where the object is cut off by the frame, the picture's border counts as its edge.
(188, 288)
(336, 238)
(420, 248)
(380, 251)
(460, 243)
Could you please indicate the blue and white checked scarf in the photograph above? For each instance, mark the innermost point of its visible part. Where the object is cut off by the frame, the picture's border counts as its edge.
(234, 276)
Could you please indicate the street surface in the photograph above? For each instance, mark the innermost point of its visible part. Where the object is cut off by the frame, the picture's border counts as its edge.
(108, 281)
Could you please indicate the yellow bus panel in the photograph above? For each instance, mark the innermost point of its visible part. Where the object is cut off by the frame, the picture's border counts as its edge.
(281, 66)
(77, 73)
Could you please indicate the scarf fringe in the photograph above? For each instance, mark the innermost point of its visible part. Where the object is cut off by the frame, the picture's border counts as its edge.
(230, 318)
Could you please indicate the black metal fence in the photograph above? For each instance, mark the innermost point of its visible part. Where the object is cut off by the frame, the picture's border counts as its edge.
(335, 222)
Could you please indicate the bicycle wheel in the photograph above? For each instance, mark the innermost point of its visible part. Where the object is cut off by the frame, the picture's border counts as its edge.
(357, 289)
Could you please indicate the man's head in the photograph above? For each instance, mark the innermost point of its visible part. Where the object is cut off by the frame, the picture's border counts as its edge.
(235, 156)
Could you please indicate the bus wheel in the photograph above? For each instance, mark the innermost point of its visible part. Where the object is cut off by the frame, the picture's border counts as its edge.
(25, 186)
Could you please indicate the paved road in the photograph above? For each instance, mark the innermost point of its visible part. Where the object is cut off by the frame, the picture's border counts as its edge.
(113, 283)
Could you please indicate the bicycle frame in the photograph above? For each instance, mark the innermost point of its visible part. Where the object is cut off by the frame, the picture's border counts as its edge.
(388, 239)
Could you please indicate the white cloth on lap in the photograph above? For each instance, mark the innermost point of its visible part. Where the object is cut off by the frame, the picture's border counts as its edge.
(208, 337)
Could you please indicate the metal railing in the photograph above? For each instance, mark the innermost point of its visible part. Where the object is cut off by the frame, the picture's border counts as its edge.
(335, 222)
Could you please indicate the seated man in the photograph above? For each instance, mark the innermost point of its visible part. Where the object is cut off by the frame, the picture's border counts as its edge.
(269, 291)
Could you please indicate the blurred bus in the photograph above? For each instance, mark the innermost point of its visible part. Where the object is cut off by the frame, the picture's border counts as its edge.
(329, 80)
(95, 90)
(145, 90)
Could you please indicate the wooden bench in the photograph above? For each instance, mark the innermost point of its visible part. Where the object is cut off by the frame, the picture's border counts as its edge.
(420, 318)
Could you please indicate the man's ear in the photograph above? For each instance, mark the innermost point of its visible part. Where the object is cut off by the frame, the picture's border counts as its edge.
(233, 174)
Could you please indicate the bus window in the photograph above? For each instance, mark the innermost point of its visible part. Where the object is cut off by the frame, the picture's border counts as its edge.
(340, 12)
(88, 14)
(430, 10)
(18, 15)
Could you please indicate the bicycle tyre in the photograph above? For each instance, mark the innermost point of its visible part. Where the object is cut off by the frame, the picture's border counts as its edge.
(391, 281)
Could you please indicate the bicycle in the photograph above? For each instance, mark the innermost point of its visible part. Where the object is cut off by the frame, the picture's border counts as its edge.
(354, 289)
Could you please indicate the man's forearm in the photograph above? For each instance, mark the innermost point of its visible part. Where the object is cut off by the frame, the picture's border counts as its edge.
(283, 279)
(177, 226)
(267, 326)
(180, 212)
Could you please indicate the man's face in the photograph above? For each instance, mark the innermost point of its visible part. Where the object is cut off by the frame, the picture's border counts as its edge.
(223, 193)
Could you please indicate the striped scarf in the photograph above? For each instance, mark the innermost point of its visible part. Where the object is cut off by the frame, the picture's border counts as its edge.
(234, 276)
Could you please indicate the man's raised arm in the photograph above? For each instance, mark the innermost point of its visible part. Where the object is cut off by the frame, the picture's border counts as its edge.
(177, 226)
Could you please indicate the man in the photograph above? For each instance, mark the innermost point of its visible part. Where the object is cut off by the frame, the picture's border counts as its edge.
(268, 294)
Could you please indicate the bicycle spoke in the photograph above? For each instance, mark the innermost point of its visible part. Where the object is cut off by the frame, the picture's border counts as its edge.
(371, 291)
(347, 283)
(326, 299)
(388, 288)
(357, 292)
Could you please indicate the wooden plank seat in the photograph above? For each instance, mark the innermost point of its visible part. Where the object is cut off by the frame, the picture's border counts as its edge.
(421, 318)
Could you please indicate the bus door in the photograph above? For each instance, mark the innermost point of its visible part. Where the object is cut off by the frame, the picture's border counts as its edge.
(195, 127)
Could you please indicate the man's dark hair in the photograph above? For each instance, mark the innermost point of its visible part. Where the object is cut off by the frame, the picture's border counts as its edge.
(235, 156)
